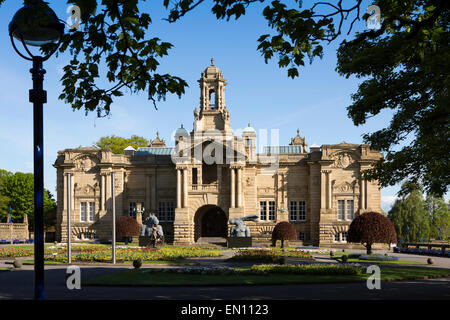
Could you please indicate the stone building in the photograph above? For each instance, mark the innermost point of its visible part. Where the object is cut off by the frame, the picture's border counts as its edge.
(212, 175)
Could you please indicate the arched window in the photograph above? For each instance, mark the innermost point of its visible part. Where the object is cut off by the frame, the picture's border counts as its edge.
(212, 99)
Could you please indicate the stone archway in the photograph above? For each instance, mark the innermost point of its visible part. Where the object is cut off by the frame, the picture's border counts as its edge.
(210, 222)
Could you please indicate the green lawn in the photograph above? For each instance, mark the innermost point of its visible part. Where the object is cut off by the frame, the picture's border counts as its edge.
(142, 278)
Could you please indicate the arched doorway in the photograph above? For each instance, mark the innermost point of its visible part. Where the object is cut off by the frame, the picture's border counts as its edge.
(210, 222)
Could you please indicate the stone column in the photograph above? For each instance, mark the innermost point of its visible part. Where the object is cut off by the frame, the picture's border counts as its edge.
(363, 195)
(323, 193)
(329, 189)
(233, 192)
(326, 189)
(179, 205)
(239, 187)
(102, 191)
(185, 188)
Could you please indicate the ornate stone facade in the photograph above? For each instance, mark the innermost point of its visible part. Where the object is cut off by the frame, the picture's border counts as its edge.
(211, 176)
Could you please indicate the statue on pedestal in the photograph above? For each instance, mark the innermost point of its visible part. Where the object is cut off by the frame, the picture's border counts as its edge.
(240, 229)
(153, 229)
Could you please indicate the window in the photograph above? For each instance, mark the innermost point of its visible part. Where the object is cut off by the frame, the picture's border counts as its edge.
(349, 209)
(91, 211)
(194, 176)
(83, 210)
(344, 236)
(337, 237)
(249, 142)
(297, 210)
(132, 209)
(301, 236)
(346, 209)
(272, 210)
(166, 211)
(341, 237)
(262, 210)
(212, 99)
(267, 210)
(341, 209)
(87, 211)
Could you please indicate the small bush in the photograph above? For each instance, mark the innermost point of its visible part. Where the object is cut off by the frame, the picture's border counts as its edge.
(283, 231)
(127, 227)
(371, 227)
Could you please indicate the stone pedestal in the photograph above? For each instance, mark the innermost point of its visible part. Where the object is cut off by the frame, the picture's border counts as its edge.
(239, 242)
(144, 241)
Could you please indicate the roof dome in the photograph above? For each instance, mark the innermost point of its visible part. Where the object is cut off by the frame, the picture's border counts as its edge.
(212, 69)
(249, 129)
(181, 132)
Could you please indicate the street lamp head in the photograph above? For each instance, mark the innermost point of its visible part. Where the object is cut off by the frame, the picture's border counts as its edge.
(36, 24)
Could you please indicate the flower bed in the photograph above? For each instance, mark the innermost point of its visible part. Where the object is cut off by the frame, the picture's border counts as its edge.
(130, 254)
(311, 269)
(377, 257)
(271, 255)
(13, 252)
(318, 270)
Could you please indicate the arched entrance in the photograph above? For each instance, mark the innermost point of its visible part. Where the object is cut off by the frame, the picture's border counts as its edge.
(210, 222)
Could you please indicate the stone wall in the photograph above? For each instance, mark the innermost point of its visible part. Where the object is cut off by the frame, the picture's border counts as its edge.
(11, 231)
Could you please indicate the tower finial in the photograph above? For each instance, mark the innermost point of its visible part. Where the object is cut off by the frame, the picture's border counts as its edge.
(298, 131)
(212, 61)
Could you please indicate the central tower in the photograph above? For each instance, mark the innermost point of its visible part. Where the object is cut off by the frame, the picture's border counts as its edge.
(213, 114)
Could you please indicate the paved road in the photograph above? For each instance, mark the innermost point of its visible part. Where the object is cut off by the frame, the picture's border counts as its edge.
(18, 284)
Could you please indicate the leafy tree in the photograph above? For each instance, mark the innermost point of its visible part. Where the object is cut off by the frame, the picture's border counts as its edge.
(409, 211)
(19, 188)
(439, 215)
(117, 144)
(371, 227)
(283, 231)
(126, 227)
(4, 200)
(404, 65)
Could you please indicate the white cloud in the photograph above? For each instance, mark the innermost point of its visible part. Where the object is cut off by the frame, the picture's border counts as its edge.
(387, 202)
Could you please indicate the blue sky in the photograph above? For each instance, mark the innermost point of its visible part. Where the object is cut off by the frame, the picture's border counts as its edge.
(258, 93)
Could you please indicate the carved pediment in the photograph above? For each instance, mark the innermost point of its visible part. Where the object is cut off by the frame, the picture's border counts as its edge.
(345, 187)
(87, 190)
(85, 163)
(343, 160)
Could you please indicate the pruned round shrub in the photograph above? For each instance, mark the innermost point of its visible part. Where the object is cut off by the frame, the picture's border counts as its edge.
(283, 231)
(371, 227)
(127, 227)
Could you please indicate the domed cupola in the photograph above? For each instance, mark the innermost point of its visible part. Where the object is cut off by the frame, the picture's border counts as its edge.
(180, 133)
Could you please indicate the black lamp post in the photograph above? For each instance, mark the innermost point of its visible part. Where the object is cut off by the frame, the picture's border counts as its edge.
(35, 24)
